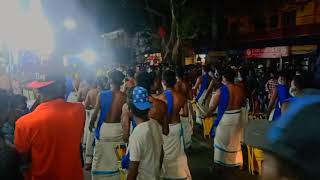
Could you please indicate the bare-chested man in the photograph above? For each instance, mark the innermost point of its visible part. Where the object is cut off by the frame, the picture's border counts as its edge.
(201, 87)
(109, 131)
(157, 111)
(89, 103)
(175, 163)
(131, 82)
(182, 85)
(184, 88)
(84, 88)
(227, 128)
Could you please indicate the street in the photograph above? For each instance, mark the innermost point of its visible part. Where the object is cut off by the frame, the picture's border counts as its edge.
(200, 159)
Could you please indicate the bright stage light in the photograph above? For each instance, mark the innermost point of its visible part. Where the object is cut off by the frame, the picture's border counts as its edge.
(89, 56)
(70, 24)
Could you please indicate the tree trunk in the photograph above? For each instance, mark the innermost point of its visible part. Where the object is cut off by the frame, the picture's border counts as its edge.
(172, 32)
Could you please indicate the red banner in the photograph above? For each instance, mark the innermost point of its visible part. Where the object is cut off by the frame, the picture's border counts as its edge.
(268, 52)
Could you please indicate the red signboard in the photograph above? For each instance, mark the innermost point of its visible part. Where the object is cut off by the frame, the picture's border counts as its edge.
(268, 52)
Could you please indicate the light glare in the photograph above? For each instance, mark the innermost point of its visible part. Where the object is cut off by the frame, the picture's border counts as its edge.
(70, 24)
(89, 56)
(23, 29)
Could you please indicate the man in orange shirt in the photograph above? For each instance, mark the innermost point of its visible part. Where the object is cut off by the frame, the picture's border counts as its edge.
(50, 136)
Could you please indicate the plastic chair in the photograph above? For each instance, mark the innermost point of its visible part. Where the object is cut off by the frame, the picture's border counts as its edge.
(121, 150)
(255, 159)
(207, 124)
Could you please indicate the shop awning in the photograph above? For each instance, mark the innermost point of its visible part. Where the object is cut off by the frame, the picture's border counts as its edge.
(217, 53)
(303, 49)
(189, 60)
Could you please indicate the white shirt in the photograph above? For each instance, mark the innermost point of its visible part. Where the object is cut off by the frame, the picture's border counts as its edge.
(145, 146)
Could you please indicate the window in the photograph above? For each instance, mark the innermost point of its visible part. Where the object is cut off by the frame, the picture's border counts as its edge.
(234, 28)
(274, 21)
(289, 19)
(260, 24)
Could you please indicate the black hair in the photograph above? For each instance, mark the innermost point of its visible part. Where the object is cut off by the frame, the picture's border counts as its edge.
(229, 74)
(180, 72)
(131, 73)
(143, 114)
(144, 80)
(116, 77)
(53, 91)
(102, 82)
(205, 68)
(305, 80)
(283, 74)
(169, 78)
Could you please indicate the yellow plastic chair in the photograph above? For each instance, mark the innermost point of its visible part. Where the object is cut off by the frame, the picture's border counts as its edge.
(259, 157)
(207, 124)
(121, 150)
(255, 159)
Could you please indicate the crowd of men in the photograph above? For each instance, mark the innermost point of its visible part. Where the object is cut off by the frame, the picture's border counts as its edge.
(144, 118)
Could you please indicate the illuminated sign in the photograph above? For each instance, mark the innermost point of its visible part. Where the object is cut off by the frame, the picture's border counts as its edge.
(268, 52)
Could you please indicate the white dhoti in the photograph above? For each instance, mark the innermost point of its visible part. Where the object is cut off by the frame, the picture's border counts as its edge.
(175, 162)
(187, 126)
(88, 138)
(202, 107)
(227, 146)
(72, 97)
(105, 163)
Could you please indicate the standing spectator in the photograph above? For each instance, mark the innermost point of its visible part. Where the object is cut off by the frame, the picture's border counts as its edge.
(18, 108)
(279, 96)
(50, 136)
(271, 85)
(131, 82)
(9, 161)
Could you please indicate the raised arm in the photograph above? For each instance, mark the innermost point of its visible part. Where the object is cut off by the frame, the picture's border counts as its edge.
(272, 101)
(214, 102)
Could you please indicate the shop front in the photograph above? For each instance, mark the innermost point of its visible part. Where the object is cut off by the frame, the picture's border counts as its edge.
(217, 56)
(304, 56)
(268, 57)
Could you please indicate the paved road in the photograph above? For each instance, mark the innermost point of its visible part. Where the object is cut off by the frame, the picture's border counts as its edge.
(200, 158)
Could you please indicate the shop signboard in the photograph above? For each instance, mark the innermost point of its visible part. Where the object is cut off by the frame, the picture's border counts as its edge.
(268, 52)
(303, 49)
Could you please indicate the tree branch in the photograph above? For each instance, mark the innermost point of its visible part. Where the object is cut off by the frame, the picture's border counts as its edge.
(183, 3)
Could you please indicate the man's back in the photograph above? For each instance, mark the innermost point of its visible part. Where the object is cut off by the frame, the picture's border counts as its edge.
(178, 103)
(158, 110)
(184, 88)
(91, 99)
(145, 146)
(52, 133)
(119, 99)
(237, 96)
